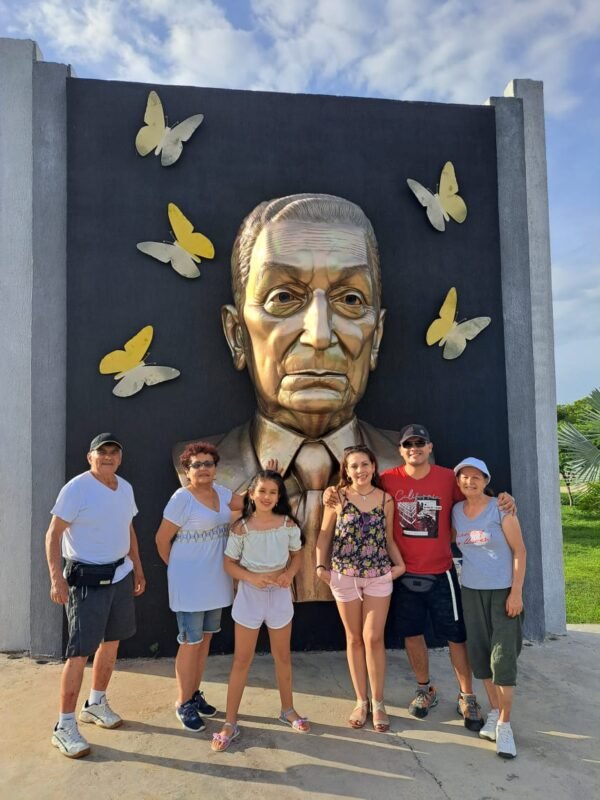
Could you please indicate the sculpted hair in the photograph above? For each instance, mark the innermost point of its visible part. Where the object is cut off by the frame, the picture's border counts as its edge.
(350, 451)
(194, 449)
(301, 208)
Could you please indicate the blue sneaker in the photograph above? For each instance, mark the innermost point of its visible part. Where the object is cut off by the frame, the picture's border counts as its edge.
(188, 715)
(203, 707)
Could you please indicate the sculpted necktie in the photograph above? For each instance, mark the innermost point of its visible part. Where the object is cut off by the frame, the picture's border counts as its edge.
(313, 467)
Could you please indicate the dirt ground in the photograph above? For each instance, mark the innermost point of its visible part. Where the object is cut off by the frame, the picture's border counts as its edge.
(556, 723)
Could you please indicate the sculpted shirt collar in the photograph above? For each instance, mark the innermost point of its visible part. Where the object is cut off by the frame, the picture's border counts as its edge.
(269, 438)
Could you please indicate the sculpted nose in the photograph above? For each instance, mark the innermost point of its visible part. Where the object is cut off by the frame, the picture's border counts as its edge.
(317, 331)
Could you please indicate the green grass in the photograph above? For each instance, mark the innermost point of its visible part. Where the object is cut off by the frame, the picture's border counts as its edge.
(581, 549)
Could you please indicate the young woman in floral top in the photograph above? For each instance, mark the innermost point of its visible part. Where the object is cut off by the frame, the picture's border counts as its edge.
(358, 558)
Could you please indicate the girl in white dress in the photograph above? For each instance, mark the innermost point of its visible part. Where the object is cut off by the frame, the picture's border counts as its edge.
(264, 554)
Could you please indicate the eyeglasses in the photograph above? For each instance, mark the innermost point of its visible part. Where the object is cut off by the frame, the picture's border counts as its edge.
(413, 443)
(198, 464)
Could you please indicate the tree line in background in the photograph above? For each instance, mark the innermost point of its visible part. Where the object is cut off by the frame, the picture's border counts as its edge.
(579, 450)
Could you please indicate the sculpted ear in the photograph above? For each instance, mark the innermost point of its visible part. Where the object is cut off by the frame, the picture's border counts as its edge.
(234, 335)
(377, 337)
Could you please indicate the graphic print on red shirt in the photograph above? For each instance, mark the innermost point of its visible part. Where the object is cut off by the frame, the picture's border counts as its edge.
(422, 517)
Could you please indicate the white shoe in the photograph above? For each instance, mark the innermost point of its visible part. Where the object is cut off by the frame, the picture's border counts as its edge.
(69, 741)
(489, 729)
(505, 741)
(100, 714)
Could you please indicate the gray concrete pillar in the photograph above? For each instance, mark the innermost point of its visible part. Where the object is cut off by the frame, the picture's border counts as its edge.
(33, 196)
(529, 347)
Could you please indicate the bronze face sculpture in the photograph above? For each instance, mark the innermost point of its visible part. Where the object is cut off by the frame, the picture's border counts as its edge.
(307, 324)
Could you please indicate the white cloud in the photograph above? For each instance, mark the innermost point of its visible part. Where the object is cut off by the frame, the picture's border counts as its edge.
(455, 51)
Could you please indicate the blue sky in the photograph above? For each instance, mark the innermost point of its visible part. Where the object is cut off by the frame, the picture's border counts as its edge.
(454, 51)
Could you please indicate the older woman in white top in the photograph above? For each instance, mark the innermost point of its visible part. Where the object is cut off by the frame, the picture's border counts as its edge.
(191, 540)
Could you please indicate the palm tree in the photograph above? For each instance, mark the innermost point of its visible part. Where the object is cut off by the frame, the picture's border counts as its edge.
(580, 449)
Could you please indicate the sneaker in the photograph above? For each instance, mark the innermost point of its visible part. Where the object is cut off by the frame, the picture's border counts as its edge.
(203, 707)
(188, 715)
(69, 741)
(505, 741)
(470, 710)
(489, 729)
(100, 714)
(422, 702)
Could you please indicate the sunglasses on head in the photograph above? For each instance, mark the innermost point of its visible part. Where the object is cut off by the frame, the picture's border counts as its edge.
(198, 464)
(413, 443)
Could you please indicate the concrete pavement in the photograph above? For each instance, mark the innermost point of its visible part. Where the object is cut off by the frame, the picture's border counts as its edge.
(556, 722)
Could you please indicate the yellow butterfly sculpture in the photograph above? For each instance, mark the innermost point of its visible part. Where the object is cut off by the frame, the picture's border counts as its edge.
(132, 373)
(185, 253)
(156, 135)
(445, 203)
(452, 335)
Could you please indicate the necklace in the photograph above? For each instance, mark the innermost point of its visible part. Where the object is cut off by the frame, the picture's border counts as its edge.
(366, 494)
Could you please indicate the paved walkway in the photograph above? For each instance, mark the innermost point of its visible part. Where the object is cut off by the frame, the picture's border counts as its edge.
(556, 719)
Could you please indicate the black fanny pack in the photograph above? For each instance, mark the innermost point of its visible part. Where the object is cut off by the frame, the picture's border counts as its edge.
(418, 583)
(79, 574)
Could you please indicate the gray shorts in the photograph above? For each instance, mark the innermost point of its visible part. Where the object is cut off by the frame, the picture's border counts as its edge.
(98, 614)
(494, 639)
(253, 606)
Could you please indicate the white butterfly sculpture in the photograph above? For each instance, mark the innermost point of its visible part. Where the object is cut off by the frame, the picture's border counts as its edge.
(452, 335)
(132, 373)
(156, 135)
(185, 252)
(445, 203)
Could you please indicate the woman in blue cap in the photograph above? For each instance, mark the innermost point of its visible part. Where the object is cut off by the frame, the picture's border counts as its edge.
(493, 571)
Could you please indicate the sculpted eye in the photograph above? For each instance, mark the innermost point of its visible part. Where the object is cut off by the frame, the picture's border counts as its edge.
(350, 302)
(281, 302)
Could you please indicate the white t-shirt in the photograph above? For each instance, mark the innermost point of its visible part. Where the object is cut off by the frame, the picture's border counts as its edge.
(99, 520)
(197, 580)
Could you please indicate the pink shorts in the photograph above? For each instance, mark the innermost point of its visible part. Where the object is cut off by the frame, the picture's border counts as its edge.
(345, 588)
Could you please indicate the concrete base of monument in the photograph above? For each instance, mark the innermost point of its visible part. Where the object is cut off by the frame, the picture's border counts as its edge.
(555, 721)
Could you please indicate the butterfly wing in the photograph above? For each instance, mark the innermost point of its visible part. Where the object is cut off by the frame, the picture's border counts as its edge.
(430, 201)
(450, 201)
(461, 333)
(173, 254)
(440, 327)
(196, 244)
(143, 375)
(151, 135)
(174, 138)
(132, 354)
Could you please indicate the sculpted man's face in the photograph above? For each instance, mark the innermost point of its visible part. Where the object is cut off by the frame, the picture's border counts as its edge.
(311, 319)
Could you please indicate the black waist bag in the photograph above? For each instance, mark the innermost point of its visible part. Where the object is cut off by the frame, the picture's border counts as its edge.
(418, 583)
(79, 574)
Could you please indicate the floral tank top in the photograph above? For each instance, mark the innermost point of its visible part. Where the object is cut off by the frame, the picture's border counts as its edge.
(359, 542)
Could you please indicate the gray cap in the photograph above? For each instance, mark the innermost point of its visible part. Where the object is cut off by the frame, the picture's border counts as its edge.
(473, 462)
(104, 438)
(408, 431)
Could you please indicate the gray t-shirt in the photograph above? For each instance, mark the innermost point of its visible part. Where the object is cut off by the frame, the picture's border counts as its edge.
(487, 557)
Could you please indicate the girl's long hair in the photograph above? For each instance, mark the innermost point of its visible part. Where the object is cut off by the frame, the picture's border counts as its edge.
(282, 506)
(349, 451)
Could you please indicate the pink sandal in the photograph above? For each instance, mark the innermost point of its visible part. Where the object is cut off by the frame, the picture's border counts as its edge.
(300, 725)
(220, 741)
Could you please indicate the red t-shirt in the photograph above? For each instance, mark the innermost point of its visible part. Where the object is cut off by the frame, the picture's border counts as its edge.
(422, 517)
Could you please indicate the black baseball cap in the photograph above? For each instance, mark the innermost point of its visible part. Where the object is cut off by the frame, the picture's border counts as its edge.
(104, 438)
(409, 431)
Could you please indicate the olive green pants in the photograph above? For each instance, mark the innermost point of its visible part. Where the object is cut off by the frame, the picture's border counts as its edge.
(494, 639)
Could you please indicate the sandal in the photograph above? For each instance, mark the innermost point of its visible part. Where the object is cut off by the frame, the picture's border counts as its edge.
(358, 717)
(382, 724)
(220, 741)
(300, 725)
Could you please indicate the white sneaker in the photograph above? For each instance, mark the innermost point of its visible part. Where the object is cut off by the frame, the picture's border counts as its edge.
(505, 741)
(100, 714)
(69, 741)
(489, 729)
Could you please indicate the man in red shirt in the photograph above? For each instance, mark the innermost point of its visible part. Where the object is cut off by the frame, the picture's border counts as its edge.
(424, 494)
